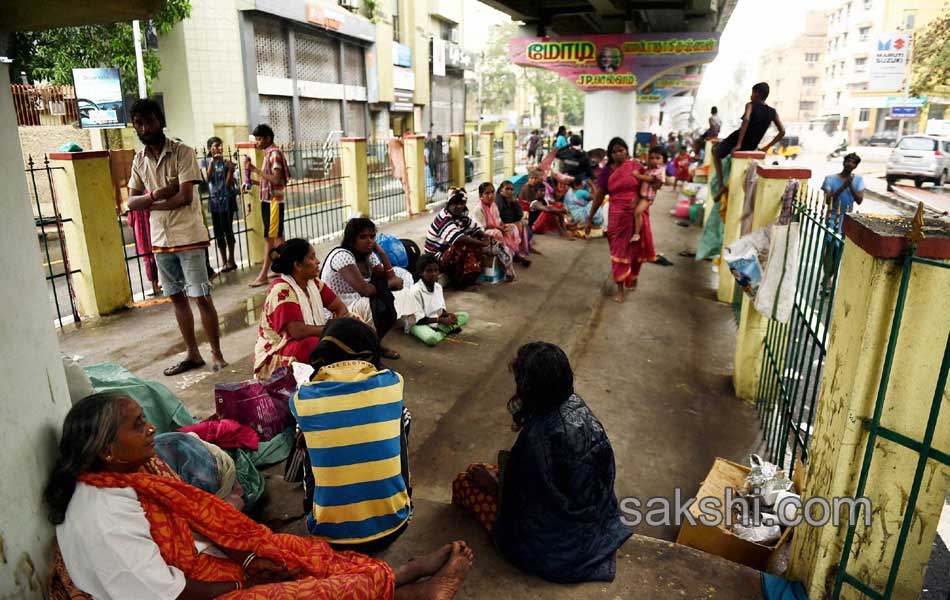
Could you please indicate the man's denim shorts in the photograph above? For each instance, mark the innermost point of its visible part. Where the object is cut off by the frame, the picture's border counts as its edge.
(184, 271)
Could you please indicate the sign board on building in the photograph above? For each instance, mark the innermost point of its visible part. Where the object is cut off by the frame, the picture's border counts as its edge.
(938, 127)
(402, 101)
(402, 55)
(438, 57)
(457, 58)
(623, 61)
(326, 18)
(888, 62)
(99, 98)
(904, 112)
(918, 102)
(404, 79)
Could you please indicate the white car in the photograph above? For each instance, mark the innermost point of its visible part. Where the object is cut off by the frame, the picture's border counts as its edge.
(921, 158)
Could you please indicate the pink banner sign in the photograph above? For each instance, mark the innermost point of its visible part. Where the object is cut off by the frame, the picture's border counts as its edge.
(611, 62)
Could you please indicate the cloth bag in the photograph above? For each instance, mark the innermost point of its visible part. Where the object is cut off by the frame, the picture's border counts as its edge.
(777, 290)
(745, 258)
(264, 406)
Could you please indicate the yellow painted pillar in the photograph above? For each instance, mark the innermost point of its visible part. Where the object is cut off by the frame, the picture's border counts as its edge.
(734, 206)
(750, 338)
(510, 145)
(354, 170)
(252, 219)
(708, 161)
(231, 134)
(457, 160)
(868, 282)
(487, 148)
(414, 146)
(86, 198)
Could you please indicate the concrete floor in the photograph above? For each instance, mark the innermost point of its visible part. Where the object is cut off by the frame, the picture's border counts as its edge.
(655, 370)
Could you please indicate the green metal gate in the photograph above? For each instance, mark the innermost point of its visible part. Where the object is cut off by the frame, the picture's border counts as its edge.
(795, 351)
(923, 447)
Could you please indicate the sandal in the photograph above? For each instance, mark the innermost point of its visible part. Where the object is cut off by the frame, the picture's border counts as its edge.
(389, 353)
(185, 365)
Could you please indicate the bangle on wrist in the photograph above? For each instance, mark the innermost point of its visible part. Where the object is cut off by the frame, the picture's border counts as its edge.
(238, 585)
(247, 561)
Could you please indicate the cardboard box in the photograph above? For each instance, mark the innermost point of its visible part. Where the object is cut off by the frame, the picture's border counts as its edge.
(719, 540)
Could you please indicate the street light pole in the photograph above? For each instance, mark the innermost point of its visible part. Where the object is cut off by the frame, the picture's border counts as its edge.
(139, 64)
(908, 74)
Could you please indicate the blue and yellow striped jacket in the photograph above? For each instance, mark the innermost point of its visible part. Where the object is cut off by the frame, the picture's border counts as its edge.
(350, 415)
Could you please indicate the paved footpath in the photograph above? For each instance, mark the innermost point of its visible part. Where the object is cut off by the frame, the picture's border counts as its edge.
(655, 370)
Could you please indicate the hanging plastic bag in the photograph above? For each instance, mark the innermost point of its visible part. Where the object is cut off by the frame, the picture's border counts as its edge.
(777, 290)
(746, 258)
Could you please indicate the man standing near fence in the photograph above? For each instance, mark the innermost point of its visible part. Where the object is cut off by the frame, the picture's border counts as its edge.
(842, 190)
(164, 181)
(273, 176)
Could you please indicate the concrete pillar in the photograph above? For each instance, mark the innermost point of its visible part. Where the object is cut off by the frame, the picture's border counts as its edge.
(732, 222)
(609, 113)
(354, 170)
(457, 160)
(231, 134)
(487, 149)
(868, 281)
(708, 162)
(750, 339)
(252, 219)
(36, 398)
(413, 148)
(511, 146)
(86, 197)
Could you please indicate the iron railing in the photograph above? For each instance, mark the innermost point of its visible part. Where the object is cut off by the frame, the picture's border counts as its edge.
(52, 237)
(387, 198)
(794, 352)
(314, 207)
(44, 104)
(878, 432)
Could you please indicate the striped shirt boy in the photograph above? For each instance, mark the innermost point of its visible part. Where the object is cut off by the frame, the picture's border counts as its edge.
(350, 415)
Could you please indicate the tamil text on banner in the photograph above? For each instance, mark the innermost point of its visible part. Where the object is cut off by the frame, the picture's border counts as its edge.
(623, 61)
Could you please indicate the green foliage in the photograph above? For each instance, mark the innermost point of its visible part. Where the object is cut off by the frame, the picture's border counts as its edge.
(50, 55)
(931, 66)
(498, 77)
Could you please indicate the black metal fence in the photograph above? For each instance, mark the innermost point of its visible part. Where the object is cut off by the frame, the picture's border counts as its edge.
(387, 198)
(498, 160)
(314, 207)
(51, 233)
(438, 178)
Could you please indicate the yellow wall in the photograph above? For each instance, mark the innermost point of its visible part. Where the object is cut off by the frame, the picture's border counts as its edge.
(860, 327)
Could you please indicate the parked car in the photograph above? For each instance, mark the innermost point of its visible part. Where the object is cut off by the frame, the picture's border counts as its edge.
(921, 158)
(881, 138)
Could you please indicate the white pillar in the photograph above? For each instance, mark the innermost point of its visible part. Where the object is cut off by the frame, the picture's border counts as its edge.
(35, 397)
(609, 113)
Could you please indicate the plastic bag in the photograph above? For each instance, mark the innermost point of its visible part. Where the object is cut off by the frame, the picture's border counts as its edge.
(262, 406)
(394, 249)
(761, 534)
(766, 479)
(746, 257)
(777, 290)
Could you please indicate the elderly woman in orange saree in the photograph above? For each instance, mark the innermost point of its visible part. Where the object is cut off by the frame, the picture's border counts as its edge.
(618, 181)
(127, 527)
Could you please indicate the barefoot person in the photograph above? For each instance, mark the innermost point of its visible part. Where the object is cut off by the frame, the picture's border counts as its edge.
(127, 527)
(163, 181)
(273, 179)
(550, 505)
(619, 181)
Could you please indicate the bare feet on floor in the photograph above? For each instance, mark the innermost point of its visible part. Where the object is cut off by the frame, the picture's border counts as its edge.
(217, 362)
(426, 565)
(445, 583)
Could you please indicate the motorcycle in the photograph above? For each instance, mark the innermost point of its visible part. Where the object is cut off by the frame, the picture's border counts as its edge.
(839, 150)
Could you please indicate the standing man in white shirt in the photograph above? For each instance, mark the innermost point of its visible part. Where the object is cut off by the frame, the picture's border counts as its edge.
(163, 180)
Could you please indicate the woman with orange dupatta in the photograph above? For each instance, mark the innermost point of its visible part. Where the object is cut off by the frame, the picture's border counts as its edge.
(126, 527)
(618, 181)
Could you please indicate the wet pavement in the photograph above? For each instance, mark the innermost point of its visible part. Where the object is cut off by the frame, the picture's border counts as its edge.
(655, 370)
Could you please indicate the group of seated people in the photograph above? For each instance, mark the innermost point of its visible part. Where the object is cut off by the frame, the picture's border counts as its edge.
(129, 526)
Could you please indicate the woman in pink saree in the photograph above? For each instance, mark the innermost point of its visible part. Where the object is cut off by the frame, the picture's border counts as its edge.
(489, 219)
(617, 180)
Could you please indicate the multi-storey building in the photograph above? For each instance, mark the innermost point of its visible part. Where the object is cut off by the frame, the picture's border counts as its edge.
(794, 73)
(849, 102)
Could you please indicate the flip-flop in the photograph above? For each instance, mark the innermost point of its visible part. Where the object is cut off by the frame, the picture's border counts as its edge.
(390, 354)
(185, 365)
(663, 261)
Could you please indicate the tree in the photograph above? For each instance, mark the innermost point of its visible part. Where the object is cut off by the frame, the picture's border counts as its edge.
(931, 61)
(50, 55)
(498, 78)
